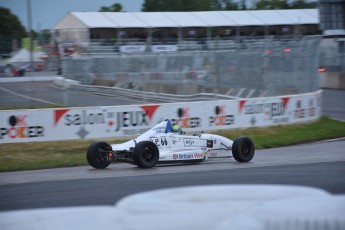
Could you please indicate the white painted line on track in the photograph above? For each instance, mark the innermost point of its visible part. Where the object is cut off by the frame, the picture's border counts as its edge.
(331, 140)
(28, 97)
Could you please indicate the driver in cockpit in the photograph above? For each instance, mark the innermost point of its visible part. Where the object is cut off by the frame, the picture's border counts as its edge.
(176, 129)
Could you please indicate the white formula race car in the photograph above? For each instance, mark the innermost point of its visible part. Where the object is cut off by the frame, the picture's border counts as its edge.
(162, 144)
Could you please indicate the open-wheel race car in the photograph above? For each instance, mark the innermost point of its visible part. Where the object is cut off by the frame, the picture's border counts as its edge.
(163, 144)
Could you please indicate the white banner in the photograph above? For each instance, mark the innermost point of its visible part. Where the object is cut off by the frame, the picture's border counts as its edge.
(116, 121)
(279, 110)
(132, 49)
(163, 48)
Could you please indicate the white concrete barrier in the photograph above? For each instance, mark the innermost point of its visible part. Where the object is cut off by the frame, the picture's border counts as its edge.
(218, 207)
(332, 80)
(64, 82)
(23, 79)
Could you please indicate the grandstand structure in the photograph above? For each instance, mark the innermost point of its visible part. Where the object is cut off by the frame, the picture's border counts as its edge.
(236, 53)
(123, 28)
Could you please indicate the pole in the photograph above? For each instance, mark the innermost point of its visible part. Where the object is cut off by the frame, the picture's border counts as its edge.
(215, 67)
(28, 3)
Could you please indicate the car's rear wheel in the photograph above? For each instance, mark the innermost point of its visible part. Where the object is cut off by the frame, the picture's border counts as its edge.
(145, 154)
(243, 149)
(96, 153)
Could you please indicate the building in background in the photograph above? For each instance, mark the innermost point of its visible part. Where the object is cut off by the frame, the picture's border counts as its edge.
(332, 17)
(332, 47)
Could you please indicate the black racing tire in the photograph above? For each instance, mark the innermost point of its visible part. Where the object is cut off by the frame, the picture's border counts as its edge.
(145, 154)
(95, 157)
(243, 149)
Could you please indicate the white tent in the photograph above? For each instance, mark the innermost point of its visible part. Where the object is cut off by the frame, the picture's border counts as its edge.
(81, 26)
(84, 20)
(125, 20)
(23, 55)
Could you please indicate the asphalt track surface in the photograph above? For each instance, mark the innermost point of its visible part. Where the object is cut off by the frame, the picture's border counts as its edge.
(320, 165)
(45, 93)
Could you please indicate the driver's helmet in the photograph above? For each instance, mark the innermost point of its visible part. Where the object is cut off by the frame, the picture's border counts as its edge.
(176, 129)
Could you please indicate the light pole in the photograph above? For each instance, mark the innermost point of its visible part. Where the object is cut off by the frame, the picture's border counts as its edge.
(28, 3)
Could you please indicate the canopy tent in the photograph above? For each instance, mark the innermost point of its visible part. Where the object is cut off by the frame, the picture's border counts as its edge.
(125, 20)
(23, 55)
(81, 27)
(83, 20)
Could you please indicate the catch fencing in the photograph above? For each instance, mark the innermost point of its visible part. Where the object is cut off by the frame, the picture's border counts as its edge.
(246, 68)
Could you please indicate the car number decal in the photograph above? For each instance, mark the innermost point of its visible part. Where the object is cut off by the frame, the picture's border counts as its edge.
(160, 142)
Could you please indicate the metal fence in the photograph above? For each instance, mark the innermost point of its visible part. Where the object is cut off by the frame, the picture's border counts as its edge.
(251, 68)
(246, 67)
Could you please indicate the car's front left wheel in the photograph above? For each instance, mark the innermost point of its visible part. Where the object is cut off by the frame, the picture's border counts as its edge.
(145, 154)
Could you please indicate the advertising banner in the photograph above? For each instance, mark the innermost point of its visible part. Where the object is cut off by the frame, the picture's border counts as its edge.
(25, 126)
(279, 110)
(163, 48)
(133, 120)
(132, 48)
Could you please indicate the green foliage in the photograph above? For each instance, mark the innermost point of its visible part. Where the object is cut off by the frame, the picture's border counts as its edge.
(46, 35)
(227, 5)
(283, 4)
(302, 4)
(10, 28)
(277, 136)
(117, 7)
(243, 5)
(179, 5)
(209, 5)
(271, 4)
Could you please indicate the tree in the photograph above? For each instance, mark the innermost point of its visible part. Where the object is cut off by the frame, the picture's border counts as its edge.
(209, 5)
(243, 5)
(10, 26)
(10, 29)
(116, 7)
(271, 4)
(44, 36)
(179, 5)
(284, 4)
(227, 5)
(301, 4)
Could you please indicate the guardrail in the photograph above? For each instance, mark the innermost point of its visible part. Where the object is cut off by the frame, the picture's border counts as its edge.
(149, 96)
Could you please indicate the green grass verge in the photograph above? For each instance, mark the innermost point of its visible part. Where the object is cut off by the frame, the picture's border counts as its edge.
(40, 155)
